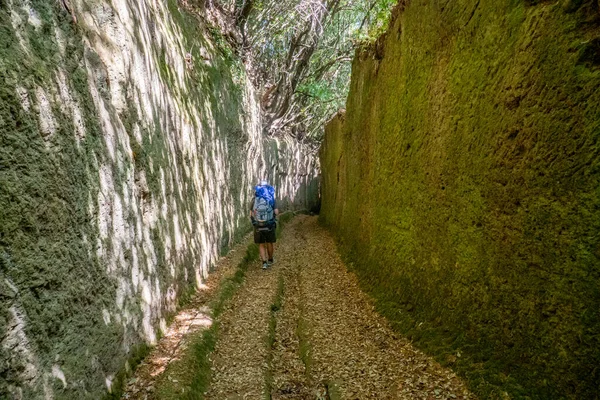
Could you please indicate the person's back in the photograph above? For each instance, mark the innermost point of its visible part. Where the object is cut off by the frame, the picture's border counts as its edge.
(263, 214)
(264, 202)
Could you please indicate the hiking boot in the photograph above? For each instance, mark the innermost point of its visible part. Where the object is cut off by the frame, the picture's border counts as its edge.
(265, 265)
(271, 261)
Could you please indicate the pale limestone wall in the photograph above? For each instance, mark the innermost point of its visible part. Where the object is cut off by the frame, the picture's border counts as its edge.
(125, 171)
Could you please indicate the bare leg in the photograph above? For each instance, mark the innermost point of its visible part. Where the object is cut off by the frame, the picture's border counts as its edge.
(270, 250)
(262, 248)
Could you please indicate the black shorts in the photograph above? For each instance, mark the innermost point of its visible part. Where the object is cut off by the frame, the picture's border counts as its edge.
(264, 236)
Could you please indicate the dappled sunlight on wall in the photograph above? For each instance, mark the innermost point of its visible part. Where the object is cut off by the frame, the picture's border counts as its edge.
(170, 154)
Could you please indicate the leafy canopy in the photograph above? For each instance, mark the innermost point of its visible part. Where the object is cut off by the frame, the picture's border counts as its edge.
(301, 52)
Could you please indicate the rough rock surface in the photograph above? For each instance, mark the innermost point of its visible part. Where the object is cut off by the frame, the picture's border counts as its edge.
(462, 183)
(125, 171)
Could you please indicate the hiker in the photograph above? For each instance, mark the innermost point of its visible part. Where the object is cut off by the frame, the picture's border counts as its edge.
(263, 213)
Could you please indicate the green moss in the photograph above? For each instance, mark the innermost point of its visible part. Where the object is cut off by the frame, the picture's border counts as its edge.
(463, 189)
(195, 365)
(304, 343)
(82, 309)
(282, 220)
(46, 183)
(193, 370)
(136, 355)
(48, 237)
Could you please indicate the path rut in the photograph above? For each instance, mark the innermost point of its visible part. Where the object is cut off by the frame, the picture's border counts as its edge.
(305, 330)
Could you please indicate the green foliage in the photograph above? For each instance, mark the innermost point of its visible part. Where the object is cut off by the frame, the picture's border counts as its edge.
(318, 90)
(273, 28)
(463, 185)
(376, 21)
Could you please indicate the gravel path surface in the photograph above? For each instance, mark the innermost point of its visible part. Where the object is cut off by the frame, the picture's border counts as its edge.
(325, 340)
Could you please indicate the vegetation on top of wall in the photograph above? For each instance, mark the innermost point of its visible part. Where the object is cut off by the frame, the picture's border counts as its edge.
(463, 183)
(300, 53)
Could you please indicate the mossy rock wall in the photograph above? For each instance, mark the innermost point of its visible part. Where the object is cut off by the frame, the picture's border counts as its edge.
(125, 172)
(463, 185)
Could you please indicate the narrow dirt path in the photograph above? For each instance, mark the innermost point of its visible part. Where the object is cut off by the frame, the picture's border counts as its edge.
(354, 351)
(304, 330)
(290, 352)
(239, 361)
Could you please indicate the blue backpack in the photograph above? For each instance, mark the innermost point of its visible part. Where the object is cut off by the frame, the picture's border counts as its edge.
(264, 203)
